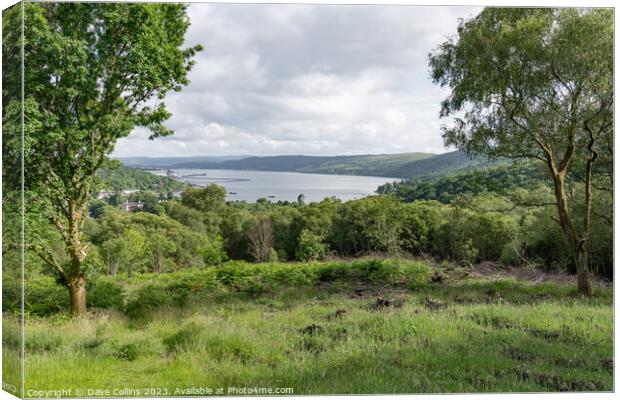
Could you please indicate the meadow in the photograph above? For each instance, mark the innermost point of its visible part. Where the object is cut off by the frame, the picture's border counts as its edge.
(371, 326)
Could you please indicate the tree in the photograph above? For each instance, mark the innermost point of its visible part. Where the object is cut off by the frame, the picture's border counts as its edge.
(260, 238)
(535, 84)
(210, 198)
(210, 201)
(123, 251)
(160, 248)
(93, 73)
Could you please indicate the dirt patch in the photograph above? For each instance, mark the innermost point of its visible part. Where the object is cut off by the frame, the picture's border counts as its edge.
(547, 335)
(608, 364)
(382, 303)
(518, 354)
(337, 314)
(559, 384)
(311, 329)
(432, 305)
(488, 269)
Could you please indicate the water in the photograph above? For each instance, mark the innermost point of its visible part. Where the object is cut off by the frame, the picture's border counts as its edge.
(275, 186)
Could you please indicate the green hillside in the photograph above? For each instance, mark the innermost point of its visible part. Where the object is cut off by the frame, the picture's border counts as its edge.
(441, 164)
(373, 165)
(444, 188)
(123, 178)
(402, 165)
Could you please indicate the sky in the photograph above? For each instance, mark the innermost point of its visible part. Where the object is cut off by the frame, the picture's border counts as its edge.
(307, 79)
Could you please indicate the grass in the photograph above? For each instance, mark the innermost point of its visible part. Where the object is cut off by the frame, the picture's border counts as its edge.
(467, 335)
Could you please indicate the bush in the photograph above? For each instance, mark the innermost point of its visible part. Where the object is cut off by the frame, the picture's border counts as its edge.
(135, 349)
(213, 252)
(144, 298)
(45, 296)
(272, 256)
(393, 271)
(310, 247)
(333, 271)
(175, 289)
(104, 292)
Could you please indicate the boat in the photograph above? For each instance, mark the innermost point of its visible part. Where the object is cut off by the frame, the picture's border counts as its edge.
(232, 192)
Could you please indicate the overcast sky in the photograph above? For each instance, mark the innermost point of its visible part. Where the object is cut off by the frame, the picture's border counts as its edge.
(313, 80)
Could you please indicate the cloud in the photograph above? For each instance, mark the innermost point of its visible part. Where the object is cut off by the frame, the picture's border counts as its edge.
(303, 79)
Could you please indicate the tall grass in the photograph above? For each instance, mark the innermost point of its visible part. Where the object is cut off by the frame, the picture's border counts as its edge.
(482, 336)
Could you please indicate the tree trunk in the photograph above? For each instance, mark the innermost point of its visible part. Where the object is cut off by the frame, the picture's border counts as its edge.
(584, 275)
(77, 296)
(579, 245)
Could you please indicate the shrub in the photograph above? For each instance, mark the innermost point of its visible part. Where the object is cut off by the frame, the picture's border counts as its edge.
(135, 349)
(213, 251)
(145, 297)
(392, 271)
(329, 272)
(175, 289)
(44, 295)
(104, 292)
(272, 256)
(310, 247)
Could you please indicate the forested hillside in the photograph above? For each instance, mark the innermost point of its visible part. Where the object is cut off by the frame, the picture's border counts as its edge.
(500, 179)
(124, 178)
(372, 165)
(402, 165)
(442, 164)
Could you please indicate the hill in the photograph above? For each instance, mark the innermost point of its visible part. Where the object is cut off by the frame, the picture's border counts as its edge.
(372, 165)
(444, 188)
(123, 178)
(442, 164)
(168, 162)
(402, 165)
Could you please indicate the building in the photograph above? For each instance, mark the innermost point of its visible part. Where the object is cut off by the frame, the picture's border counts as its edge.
(132, 206)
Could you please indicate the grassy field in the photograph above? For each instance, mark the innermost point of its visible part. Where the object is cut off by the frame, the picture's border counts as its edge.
(460, 335)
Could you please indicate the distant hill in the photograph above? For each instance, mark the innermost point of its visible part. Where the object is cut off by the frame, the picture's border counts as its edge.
(443, 164)
(167, 162)
(373, 165)
(403, 165)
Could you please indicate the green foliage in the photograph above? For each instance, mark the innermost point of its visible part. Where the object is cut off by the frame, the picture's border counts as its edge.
(43, 295)
(137, 242)
(501, 179)
(393, 271)
(536, 84)
(139, 295)
(119, 178)
(558, 48)
(172, 289)
(311, 246)
(184, 339)
(135, 349)
(104, 292)
(95, 73)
